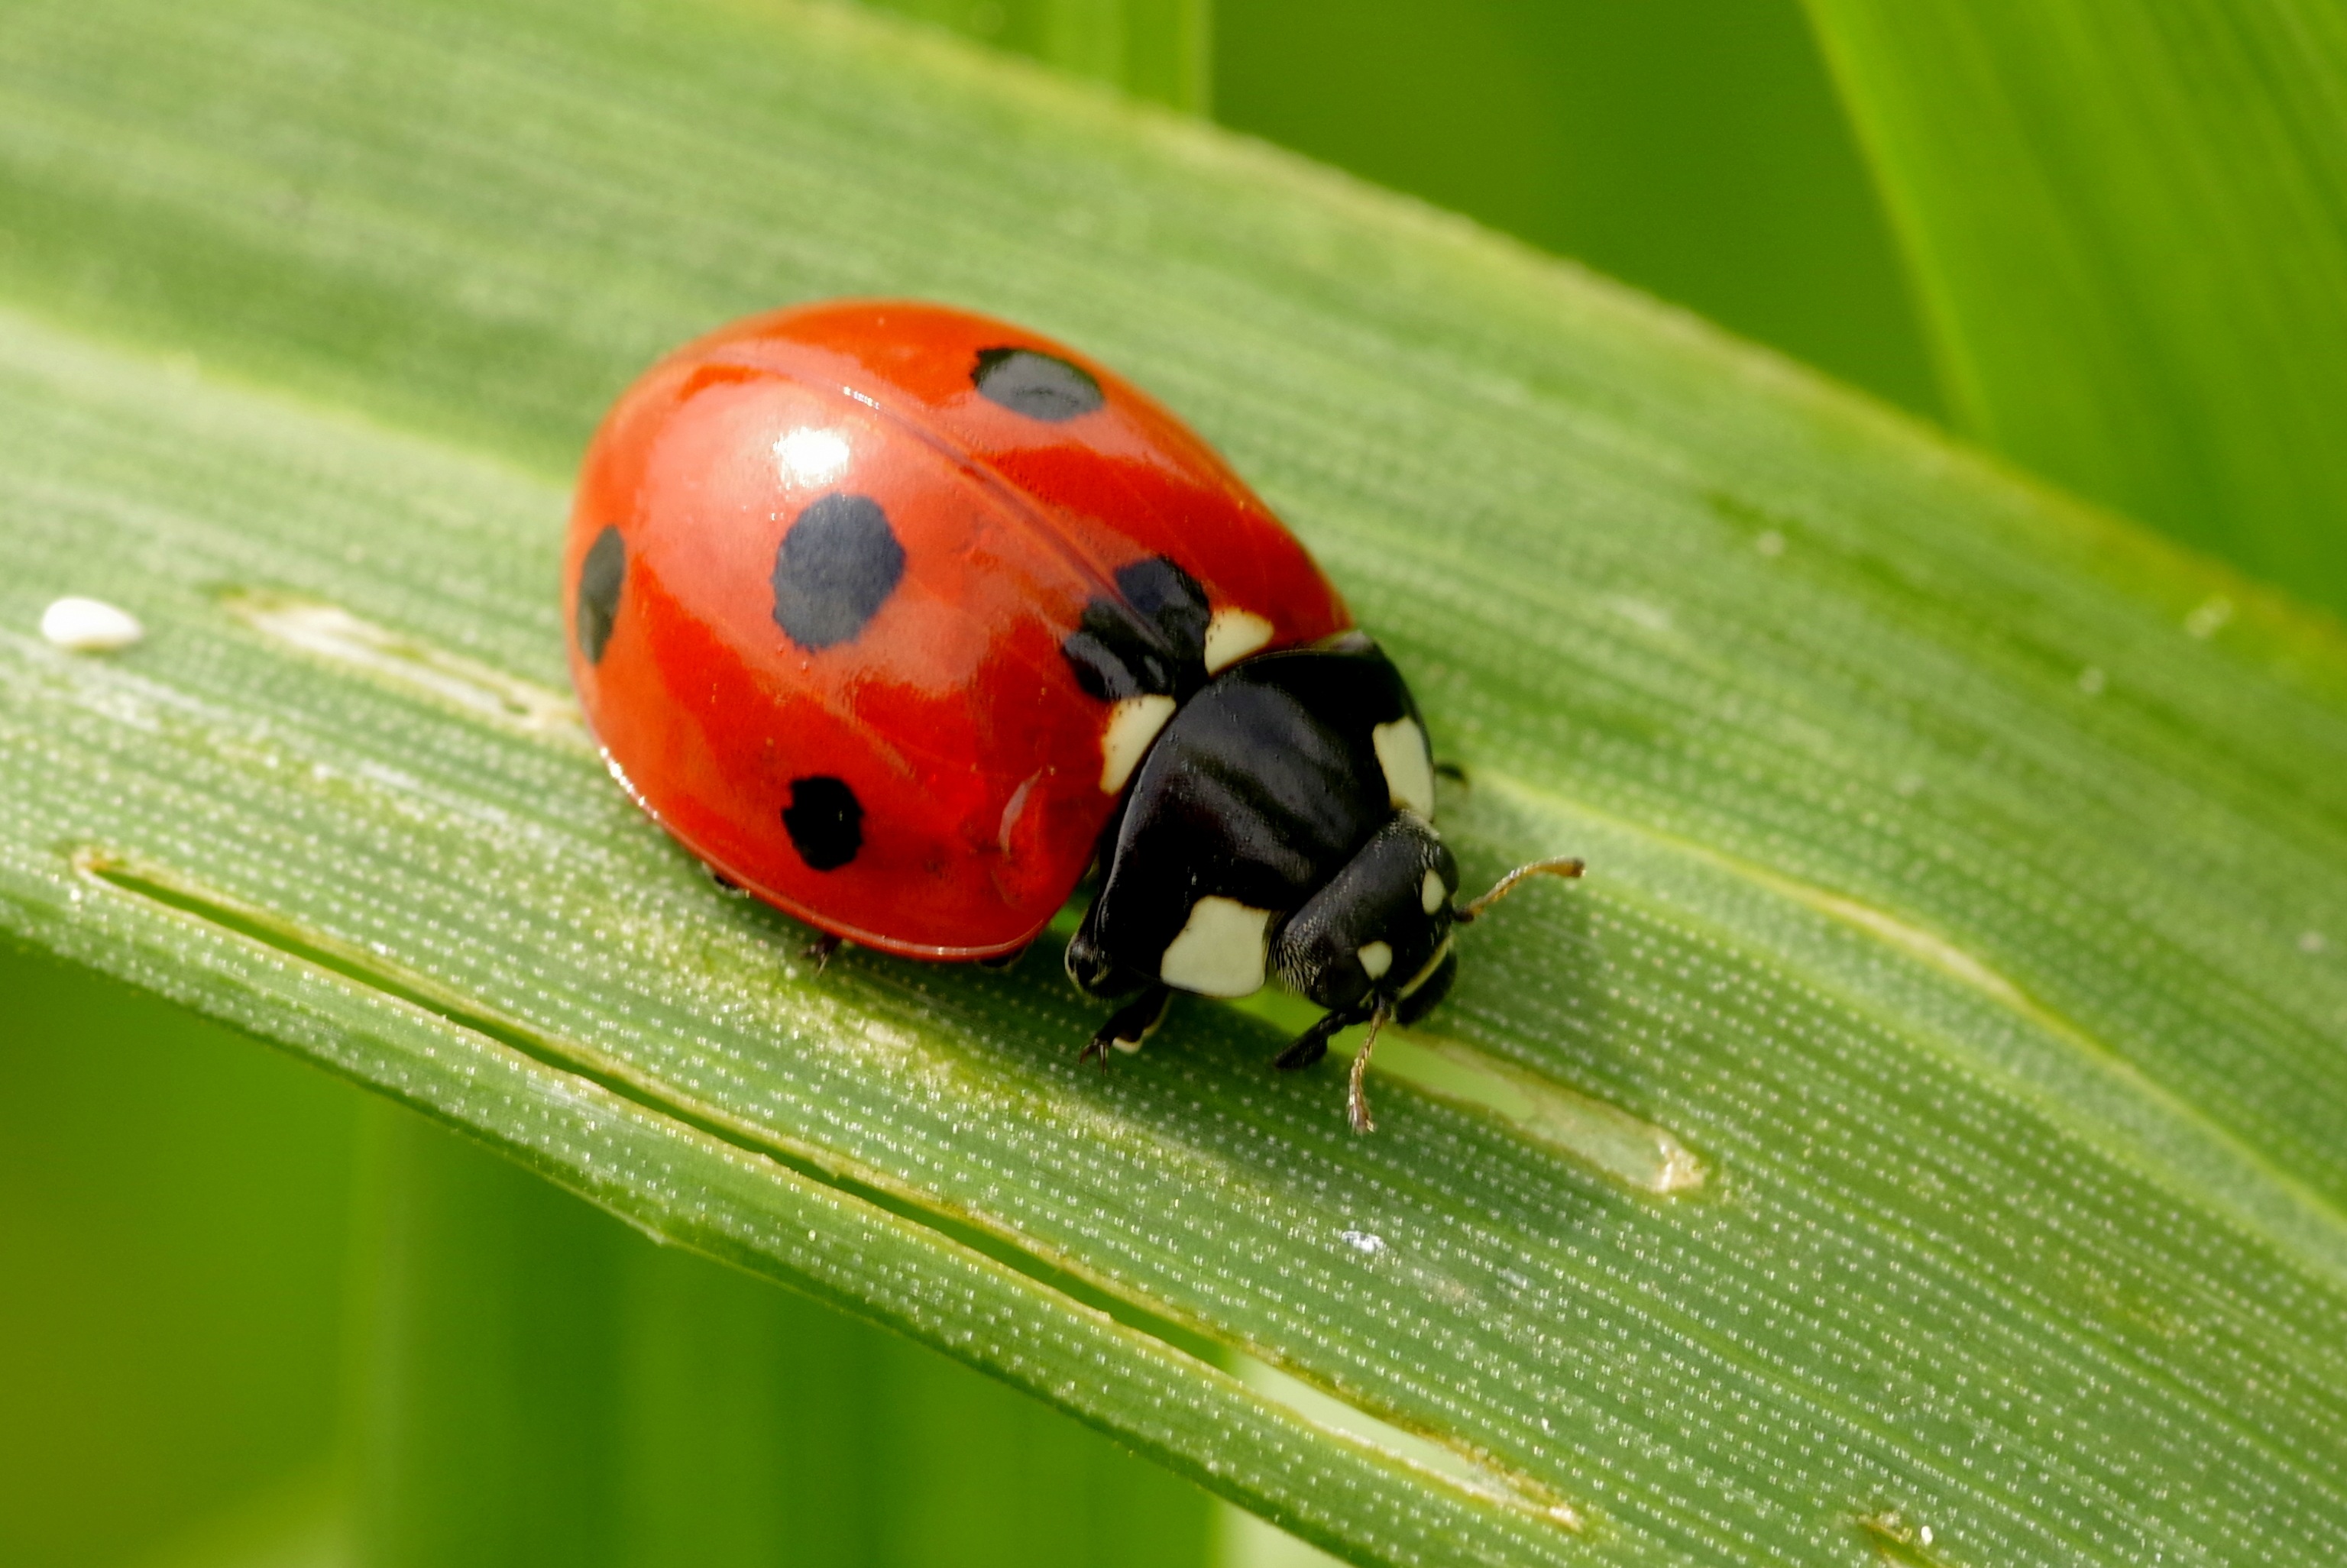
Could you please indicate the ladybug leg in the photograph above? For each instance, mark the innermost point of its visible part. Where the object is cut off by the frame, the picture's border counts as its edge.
(1313, 1043)
(819, 951)
(1356, 1096)
(1130, 1024)
(1004, 960)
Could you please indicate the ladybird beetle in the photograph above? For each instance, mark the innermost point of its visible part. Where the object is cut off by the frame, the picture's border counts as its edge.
(899, 618)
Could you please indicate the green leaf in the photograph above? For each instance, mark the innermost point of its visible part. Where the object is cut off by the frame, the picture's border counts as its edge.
(1920, 1136)
(1160, 50)
(2127, 220)
(542, 1387)
(540, 1383)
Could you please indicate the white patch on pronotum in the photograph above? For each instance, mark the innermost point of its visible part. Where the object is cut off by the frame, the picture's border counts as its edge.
(89, 626)
(1410, 771)
(1376, 957)
(1133, 724)
(1231, 635)
(1431, 893)
(1220, 951)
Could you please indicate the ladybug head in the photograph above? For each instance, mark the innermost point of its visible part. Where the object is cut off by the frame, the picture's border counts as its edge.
(1375, 943)
(1378, 933)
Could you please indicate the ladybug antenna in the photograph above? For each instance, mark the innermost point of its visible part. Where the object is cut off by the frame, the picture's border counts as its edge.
(1562, 866)
(1357, 1095)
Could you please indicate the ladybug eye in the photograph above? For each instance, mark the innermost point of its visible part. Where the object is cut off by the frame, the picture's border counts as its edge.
(1371, 929)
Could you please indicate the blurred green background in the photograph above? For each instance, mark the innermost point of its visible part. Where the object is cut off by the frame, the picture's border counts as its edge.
(219, 1266)
(1690, 147)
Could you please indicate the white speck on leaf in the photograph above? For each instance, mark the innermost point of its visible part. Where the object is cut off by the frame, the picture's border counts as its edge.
(1362, 1242)
(2208, 617)
(1643, 613)
(89, 626)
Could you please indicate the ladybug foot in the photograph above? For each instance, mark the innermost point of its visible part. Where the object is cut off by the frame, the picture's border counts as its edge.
(1313, 1043)
(1133, 1023)
(818, 952)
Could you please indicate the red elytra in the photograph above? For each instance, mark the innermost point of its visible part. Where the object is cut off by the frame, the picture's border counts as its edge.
(970, 755)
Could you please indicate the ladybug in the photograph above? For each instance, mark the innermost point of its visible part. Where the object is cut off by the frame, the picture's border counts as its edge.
(901, 618)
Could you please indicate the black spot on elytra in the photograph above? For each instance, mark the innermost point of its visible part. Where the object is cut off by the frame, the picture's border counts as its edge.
(836, 566)
(1038, 385)
(1151, 639)
(601, 576)
(825, 820)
